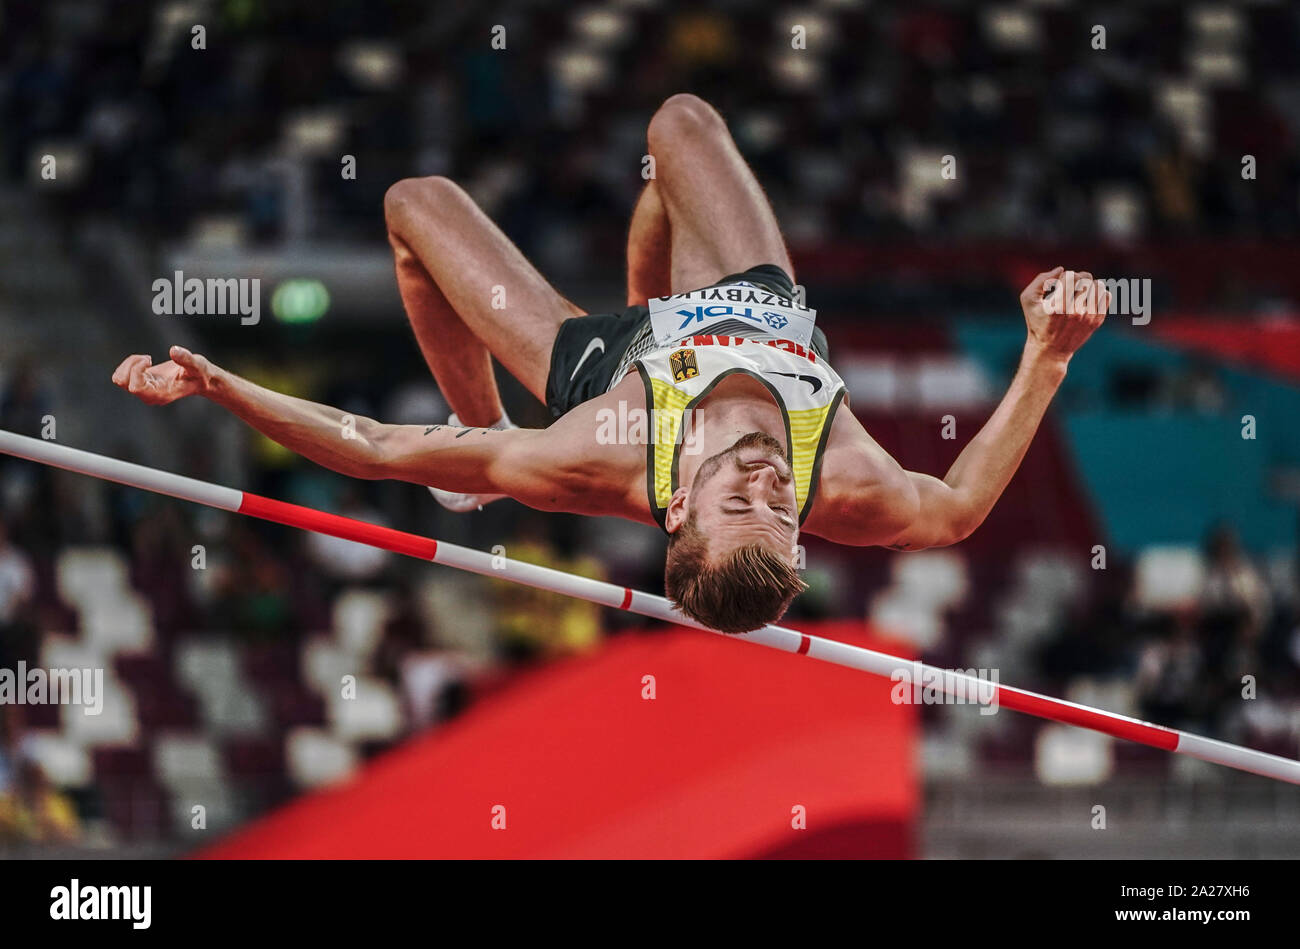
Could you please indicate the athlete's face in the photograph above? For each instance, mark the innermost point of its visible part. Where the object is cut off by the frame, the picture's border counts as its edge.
(745, 495)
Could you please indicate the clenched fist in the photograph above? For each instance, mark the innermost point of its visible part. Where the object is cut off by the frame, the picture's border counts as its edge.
(1062, 309)
(186, 373)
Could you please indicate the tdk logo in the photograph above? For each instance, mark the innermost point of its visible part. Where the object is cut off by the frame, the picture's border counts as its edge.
(699, 314)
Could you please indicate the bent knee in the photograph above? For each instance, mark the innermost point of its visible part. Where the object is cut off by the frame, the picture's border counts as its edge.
(413, 197)
(684, 116)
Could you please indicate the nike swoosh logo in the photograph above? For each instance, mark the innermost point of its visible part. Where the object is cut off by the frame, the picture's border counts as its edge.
(595, 344)
(811, 380)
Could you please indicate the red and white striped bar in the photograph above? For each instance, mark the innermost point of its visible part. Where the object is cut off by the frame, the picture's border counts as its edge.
(646, 604)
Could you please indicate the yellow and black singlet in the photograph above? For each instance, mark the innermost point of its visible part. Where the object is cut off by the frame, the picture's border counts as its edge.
(805, 388)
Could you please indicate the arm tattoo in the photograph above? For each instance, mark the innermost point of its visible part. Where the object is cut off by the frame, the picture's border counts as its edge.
(464, 431)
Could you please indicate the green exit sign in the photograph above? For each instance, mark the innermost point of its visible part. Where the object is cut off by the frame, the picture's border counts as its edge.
(300, 301)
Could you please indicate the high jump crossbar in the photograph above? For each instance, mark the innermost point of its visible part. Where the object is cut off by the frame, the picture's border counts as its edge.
(956, 684)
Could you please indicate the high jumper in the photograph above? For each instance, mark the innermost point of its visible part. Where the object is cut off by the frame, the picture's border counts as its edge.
(744, 444)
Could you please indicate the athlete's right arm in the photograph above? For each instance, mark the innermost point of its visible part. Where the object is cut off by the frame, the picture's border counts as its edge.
(533, 466)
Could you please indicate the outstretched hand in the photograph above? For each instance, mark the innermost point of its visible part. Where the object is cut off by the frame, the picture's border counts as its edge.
(1062, 309)
(186, 373)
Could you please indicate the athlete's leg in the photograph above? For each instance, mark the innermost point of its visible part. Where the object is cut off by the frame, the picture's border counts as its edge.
(468, 293)
(649, 249)
(720, 220)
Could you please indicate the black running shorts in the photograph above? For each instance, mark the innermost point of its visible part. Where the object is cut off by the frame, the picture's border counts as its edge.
(590, 349)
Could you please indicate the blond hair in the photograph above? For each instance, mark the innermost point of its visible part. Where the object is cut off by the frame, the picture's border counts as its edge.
(745, 589)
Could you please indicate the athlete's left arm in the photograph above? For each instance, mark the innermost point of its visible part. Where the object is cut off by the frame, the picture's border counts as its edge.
(907, 510)
(949, 510)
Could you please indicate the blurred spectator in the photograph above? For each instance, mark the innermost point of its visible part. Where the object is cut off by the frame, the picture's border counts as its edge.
(34, 811)
(1199, 388)
(1232, 585)
(1049, 147)
(17, 584)
(8, 753)
(1236, 606)
(252, 592)
(24, 403)
(1170, 684)
(17, 631)
(432, 679)
(534, 624)
(17, 635)
(1100, 639)
(162, 553)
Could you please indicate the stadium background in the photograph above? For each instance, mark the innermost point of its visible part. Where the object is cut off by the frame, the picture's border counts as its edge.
(223, 681)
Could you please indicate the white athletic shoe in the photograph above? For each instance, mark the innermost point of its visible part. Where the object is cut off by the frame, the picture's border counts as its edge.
(460, 503)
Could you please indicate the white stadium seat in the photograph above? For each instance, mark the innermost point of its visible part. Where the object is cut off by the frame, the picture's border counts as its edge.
(374, 714)
(1169, 577)
(316, 758)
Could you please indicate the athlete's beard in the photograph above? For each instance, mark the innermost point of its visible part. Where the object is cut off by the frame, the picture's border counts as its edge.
(753, 440)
